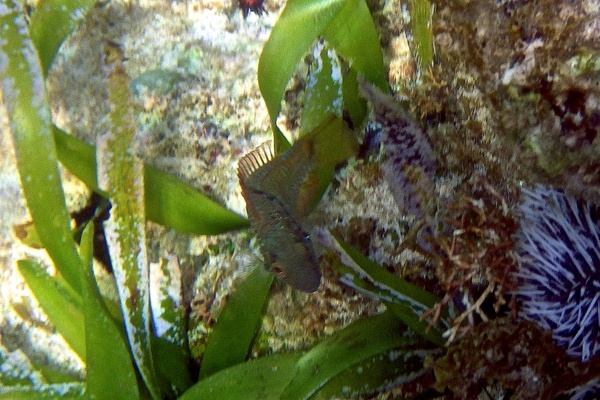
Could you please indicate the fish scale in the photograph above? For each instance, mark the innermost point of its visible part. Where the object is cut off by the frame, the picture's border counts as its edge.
(409, 165)
(286, 177)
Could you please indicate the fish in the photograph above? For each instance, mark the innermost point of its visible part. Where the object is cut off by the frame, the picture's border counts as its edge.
(279, 192)
(409, 165)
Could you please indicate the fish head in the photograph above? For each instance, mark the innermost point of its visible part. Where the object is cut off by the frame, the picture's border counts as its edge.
(297, 265)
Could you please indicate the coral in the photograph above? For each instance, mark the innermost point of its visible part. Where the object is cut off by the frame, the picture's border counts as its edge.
(558, 247)
(476, 257)
(520, 356)
(514, 92)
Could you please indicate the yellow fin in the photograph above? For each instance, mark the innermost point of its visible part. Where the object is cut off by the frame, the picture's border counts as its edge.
(333, 142)
(254, 160)
(306, 194)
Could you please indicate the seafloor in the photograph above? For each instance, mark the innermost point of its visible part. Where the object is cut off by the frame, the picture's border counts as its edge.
(512, 99)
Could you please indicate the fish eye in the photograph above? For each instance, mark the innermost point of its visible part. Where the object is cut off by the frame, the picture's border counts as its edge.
(307, 237)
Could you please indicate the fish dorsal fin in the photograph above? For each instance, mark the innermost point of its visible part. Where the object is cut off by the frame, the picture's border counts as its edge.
(254, 160)
(289, 179)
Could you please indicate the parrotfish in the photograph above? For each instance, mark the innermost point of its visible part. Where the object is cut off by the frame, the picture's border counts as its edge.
(278, 193)
(409, 165)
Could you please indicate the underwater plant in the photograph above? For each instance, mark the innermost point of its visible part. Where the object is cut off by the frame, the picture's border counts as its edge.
(348, 28)
(134, 345)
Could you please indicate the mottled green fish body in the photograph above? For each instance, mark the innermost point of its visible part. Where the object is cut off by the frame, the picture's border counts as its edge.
(289, 178)
(281, 191)
(278, 191)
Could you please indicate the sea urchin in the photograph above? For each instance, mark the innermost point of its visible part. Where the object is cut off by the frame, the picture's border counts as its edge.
(558, 251)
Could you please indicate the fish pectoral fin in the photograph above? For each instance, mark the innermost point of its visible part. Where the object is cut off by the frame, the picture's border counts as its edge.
(254, 160)
(248, 262)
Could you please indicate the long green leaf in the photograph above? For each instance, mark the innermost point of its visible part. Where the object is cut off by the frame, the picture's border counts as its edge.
(375, 374)
(59, 302)
(323, 90)
(172, 366)
(179, 206)
(30, 120)
(168, 202)
(53, 376)
(322, 117)
(120, 174)
(264, 378)
(78, 156)
(169, 341)
(355, 343)
(421, 13)
(406, 300)
(236, 325)
(296, 376)
(298, 26)
(110, 372)
(166, 301)
(51, 23)
(334, 143)
(354, 37)
(348, 27)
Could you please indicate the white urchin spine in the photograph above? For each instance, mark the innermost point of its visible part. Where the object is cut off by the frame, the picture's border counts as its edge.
(558, 248)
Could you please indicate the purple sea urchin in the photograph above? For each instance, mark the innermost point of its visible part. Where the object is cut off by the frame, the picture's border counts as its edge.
(558, 251)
